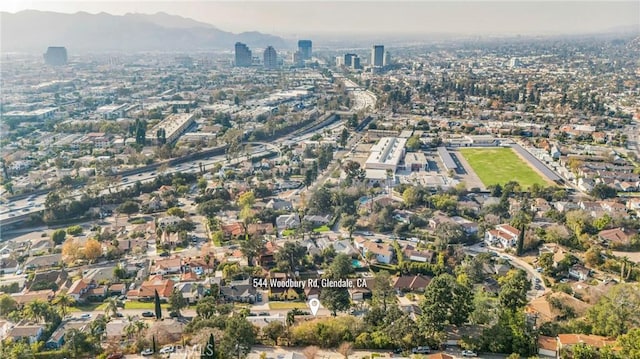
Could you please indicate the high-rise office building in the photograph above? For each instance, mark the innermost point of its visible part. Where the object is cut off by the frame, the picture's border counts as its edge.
(305, 47)
(355, 62)
(56, 56)
(297, 59)
(243, 55)
(270, 58)
(387, 58)
(377, 56)
(348, 59)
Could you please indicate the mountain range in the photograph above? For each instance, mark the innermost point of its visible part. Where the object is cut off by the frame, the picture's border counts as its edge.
(34, 31)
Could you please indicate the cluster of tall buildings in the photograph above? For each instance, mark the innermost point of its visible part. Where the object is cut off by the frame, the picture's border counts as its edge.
(244, 57)
(379, 59)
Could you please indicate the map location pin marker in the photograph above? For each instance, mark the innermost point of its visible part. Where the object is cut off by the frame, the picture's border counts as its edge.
(314, 304)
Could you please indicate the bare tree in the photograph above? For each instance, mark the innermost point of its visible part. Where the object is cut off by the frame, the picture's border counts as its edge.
(310, 352)
(345, 349)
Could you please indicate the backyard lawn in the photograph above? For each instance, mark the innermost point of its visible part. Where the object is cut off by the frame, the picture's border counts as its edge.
(287, 305)
(143, 305)
(501, 165)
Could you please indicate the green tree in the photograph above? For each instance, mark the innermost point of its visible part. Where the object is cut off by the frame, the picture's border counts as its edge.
(616, 312)
(603, 191)
(74, 230)
(111, 309)
(238, 337)
(513, 293)
(206, 308)
(128, 208)
(349, 222)
(273, 331)
(158, 308)
(7, 305)
(445, 302)
(290, 256)
(247, 199)
(209, 350)
(337, 299)
(251, 246)
(413, 143)
(344, 137)
(382, 292)
(177, 301)
(64, 301)
(630, 344)
(59, 236)
(176, 211)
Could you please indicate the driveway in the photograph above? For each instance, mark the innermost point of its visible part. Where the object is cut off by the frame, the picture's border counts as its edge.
(514, 261)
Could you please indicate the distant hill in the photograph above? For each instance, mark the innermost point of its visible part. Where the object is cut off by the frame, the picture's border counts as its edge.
(34, 31)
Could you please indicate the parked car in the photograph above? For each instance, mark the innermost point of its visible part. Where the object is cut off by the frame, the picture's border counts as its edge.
(146, 352)
(469, 353)
(148, 314)
(168, 349)
(85, 316)
(421, 350)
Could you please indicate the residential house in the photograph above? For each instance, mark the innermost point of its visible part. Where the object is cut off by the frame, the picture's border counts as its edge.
(169, 221)
(359, 293)
(260, 229)
(115, 330)
(567, 341)
(504, 235)
(147, 289)
(547, 346)
(57, 340)
(45, 295)
(382, 252)
(412, 283)
(56, 278)
(239, 291)
(312, 293)
(579, 272)
(8, 265)
(412, 254)
(288, 221)
(439, 356)
(168, 266)
(231, 230)
(278, 204)
(5, 328)
(31, 333)
(191, 291)
(79, 288)
(317, 220)
(266, 258)
(41, 262)
(617, 236)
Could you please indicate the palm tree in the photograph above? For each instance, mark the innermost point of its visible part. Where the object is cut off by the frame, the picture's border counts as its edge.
(130, 328)
(36, 310)
(64, 301)
(111, 310)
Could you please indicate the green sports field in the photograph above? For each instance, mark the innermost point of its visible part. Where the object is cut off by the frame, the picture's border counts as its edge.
(501, 165)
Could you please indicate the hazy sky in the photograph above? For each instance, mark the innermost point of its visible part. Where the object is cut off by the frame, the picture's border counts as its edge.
(305, 17)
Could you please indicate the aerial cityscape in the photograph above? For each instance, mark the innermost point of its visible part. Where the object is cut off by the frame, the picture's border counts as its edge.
(175, 189)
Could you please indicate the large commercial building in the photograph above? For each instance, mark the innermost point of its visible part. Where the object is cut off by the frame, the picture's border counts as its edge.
(56, 56)
(270, 58)
(243, 55)
(386, 154)
(305, 48)
(377, 56)
(173, 125)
